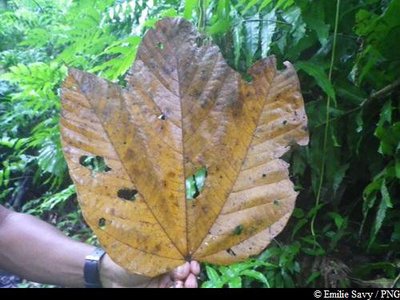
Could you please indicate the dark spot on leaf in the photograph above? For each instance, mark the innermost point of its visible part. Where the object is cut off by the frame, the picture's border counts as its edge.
(127, 194)
(102, 223)
(160, 45)
(167, 71)
(188, 257)
(277, 203)
(284, 122)
(264, 175)
(248, 77)
(231, 252)
(94, 163)
(157, 248)
(161, 117)
(238, 230)
(152, 65)
(199, 42)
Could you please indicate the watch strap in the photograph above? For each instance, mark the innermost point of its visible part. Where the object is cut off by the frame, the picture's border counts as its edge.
(91, 268)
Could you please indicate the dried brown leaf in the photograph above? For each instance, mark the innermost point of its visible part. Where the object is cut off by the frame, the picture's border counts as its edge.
(183, 109)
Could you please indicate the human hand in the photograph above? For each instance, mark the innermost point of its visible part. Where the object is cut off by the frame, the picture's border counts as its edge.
(112, 275)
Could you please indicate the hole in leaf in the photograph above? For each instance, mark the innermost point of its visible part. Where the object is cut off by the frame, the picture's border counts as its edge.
(94, 163)
(102, 223)
(238, 230)
(231, 252)
(161, 117)
(199, 41)
(160, 45)
(248, 77)
(127, 194)
(195, 183)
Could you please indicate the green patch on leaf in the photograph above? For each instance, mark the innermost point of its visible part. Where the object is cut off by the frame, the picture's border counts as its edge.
(94, 163)
(238, 230)
(195, 183)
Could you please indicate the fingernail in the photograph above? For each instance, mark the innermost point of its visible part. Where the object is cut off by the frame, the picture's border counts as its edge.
(179, 284)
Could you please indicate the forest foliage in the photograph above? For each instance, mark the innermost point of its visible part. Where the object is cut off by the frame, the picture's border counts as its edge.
(345, 230)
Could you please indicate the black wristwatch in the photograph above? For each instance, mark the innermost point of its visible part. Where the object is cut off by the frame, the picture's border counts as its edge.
(91, 268)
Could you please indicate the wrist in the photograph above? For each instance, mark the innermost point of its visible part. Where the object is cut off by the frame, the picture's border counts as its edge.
(106, 272)
(114, 276)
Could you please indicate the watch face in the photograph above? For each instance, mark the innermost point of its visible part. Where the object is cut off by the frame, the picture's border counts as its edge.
(96, 255)
(92, 257)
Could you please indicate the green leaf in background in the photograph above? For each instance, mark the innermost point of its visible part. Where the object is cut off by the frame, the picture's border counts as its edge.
(6, 173)
(380, 217)
(249, 5)
(385, 195)
(397, 168)
(268, 27)
(237, 43)
(338, 219)
(215, 280)
(257, 276)
(235, 282)
(48, 203)
(222, 21)
(319, 75)
(190, 6)
(252, 38)
(314, 275)
(284, 4)
(389, 136)
(219, 27)
(293, 17)
(124, 52)
(314, 16)
(264, 4)
(386, 114)
(339, 176)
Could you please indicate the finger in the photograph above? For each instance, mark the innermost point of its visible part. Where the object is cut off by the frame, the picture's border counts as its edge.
(165, 281)
(195, 267)
(182, 272)
(178, 284)
(191, 282)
